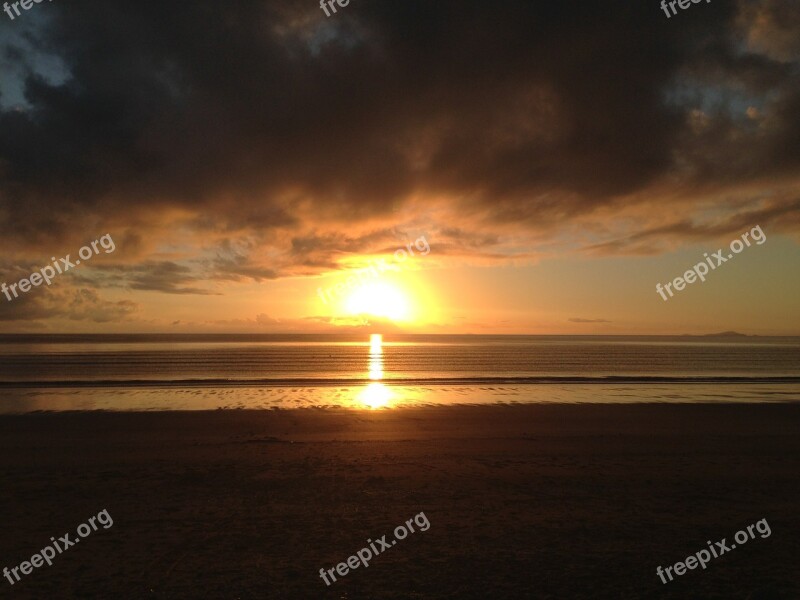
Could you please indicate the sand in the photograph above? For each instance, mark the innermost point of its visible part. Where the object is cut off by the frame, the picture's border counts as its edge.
(535, 501)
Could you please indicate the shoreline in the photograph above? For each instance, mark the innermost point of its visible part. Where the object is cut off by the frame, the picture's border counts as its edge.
(505, 419)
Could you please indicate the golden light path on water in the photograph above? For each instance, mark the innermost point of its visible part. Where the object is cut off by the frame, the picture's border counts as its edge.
(376, 394)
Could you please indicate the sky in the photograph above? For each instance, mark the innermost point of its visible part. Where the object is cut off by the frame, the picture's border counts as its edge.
(262, 167)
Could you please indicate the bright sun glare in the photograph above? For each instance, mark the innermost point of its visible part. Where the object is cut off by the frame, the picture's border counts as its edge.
(378, 300)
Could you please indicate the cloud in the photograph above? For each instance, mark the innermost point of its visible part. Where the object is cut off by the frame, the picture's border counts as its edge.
(75, 305)
(163, 276)
(771, 27)
(579, 320)
(263, 140)
(783, 215)
(86, 305)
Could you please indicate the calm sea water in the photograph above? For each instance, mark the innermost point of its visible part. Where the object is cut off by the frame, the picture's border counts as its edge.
(169, 372)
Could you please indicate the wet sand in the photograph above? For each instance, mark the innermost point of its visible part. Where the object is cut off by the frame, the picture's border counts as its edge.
(534, 501)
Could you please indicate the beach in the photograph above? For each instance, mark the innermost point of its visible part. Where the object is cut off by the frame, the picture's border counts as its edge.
(524, 501)
(400, 300)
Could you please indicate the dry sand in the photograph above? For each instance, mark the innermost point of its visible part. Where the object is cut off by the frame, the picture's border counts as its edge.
(537, 501)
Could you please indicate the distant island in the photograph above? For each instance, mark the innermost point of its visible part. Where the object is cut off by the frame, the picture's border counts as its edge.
(722, 334)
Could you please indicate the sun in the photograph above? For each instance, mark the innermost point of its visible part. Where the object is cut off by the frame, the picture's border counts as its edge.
(379, 299)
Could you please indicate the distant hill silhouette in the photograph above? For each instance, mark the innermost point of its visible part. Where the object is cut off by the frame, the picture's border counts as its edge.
(726, 334)
(721, 334)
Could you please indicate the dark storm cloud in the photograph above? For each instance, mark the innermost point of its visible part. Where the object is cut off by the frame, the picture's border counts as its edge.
(254, 117)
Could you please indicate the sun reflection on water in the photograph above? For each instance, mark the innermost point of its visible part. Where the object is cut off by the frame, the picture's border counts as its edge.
(376, 357)
(376, 394)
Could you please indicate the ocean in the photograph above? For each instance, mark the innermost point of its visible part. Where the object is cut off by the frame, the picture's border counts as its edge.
(201, 372)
